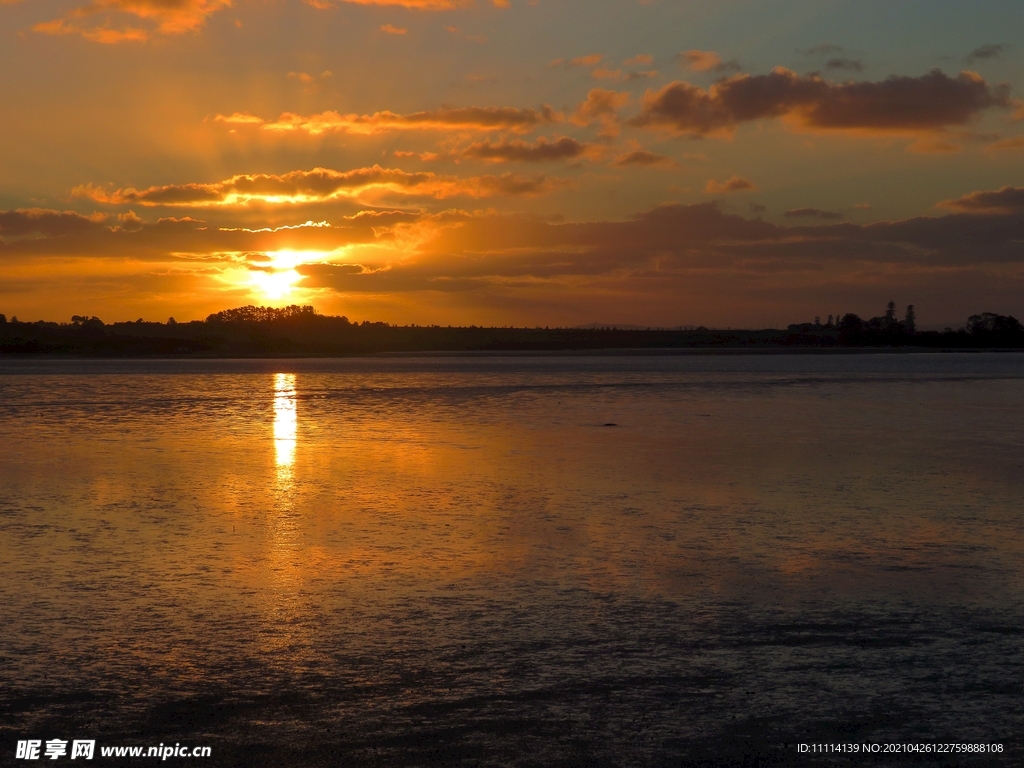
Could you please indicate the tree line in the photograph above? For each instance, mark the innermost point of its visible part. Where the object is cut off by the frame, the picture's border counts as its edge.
(301, 330)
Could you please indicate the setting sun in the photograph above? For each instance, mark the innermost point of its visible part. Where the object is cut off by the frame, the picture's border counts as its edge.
(277, 278)
(275, 285)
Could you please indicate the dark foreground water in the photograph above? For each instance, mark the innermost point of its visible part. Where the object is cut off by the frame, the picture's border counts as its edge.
(455, 561)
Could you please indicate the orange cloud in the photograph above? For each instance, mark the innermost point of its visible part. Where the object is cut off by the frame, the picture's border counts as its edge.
(1017, 142)
(897, 105)
(240, 118)
(391, 29)
(169, 17)
(617, 75)
(701, 61)
(733, 184)
(642, 59)
(425, 156)
(317, 186)
(706, 61)
(601, 106)
(419, 5)
(467, 119)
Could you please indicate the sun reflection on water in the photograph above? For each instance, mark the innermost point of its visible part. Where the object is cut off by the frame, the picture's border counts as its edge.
(282, 604)
(285, 422)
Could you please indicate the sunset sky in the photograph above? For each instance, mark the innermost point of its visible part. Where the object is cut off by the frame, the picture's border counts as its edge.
(527, 162)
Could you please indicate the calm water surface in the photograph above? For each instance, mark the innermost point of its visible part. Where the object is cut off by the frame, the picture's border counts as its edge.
(454, 561)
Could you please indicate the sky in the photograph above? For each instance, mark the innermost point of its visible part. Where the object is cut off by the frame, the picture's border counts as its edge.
(512, 162)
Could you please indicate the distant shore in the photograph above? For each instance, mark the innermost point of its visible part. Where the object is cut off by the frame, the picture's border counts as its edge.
(636, 351)
(261, 332)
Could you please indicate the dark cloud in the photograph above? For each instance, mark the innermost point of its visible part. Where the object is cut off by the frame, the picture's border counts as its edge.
(506, 184)
(733, 184)
(897, 104)
(1008, 200)
(851, 64)
(642, 157)
(186, 239)
(47, 223)
(812, 213)
(541, 150)
(679, 229)
(985, 52)
(682, 242)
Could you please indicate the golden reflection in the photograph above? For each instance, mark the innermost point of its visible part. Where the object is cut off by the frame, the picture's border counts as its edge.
(285, 421)
(283, 605)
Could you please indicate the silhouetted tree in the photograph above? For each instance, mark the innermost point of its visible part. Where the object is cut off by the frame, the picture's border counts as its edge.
(253, 314)
(910, 320)
(995, 328)
(87, 323)
(890, 312)
(851, 330)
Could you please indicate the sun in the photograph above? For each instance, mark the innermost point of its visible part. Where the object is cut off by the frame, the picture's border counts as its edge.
(275, 285)
(278, 279)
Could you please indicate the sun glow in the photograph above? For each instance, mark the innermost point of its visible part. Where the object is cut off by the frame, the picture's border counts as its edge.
(287, 258)
(277, 278)
(275, 285)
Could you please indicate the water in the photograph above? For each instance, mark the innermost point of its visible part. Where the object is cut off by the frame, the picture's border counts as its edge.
(453, 561)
